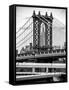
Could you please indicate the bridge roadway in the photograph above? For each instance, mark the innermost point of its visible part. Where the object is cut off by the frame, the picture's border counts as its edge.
(36, 75)
(41, 65)
(41, 55)
(46, 75)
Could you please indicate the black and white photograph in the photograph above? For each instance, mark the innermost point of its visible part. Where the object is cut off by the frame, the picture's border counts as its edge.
(41, 44)
(34, 44)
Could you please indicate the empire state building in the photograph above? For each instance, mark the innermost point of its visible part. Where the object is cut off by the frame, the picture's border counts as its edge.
(42, 35)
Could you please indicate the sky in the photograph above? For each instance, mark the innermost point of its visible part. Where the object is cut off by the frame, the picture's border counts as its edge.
(23, 14)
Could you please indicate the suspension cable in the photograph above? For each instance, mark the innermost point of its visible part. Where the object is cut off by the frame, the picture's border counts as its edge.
(24, 30)
(24, 41)
(23, 25)
(25, 37)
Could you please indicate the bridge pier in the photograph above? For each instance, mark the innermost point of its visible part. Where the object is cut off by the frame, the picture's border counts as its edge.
(33, 69)
(46, 70)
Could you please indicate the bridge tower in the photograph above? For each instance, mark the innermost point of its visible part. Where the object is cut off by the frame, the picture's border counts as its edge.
(36, 30)
(48, 30)
(38, 20)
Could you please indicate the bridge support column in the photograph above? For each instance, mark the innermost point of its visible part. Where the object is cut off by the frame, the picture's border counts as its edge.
(33, 69)
(46, 70)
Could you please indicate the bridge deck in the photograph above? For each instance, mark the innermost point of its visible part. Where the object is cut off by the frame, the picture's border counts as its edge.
(21, 77)
(41, 55)
(42, 65)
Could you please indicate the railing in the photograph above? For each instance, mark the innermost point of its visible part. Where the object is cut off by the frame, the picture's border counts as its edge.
(39, 69)
(43, 65)
(42, 54)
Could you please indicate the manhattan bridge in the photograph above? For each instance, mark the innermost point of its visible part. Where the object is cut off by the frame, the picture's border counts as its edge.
(38, 56)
